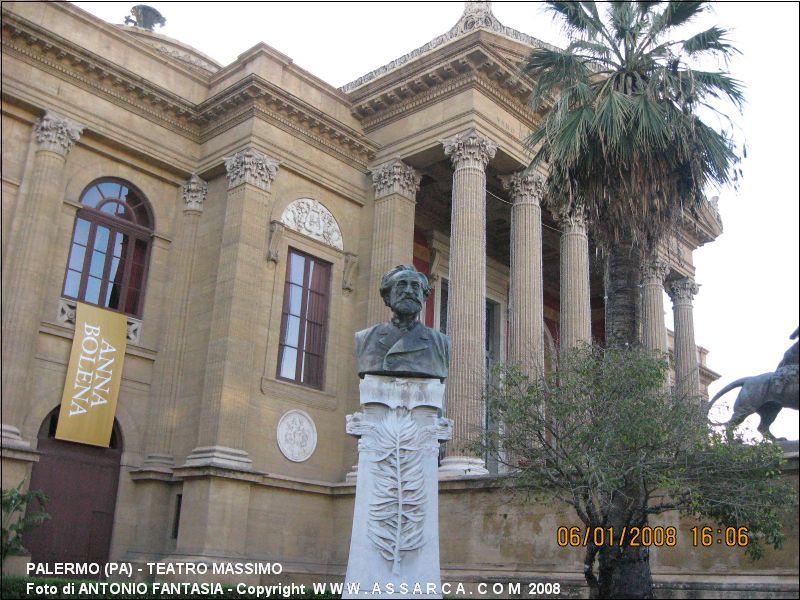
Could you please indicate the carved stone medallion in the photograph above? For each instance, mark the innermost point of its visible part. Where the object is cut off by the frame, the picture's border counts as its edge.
(311, 218)
(297, 435)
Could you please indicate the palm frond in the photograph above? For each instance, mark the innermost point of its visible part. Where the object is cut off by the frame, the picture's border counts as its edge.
(576, 17)
(676, 13)
(711, 40)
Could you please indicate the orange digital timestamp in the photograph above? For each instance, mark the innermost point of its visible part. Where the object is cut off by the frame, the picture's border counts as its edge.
(609, 536)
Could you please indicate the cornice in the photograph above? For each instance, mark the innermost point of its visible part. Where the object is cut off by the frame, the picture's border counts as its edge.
(467, 65)
(198, 122)
(72, 63)
(287, 111)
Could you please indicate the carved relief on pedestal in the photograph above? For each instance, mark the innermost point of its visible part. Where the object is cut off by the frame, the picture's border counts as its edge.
(469, 149)
(56, 133)
(253, 167)
(194, 193)
(297, 435)
(311, 218)
(396, 177)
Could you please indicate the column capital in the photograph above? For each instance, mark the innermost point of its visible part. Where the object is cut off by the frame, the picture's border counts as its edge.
(654, 271)
(524, 188)
(56, 133)
(570, 217)
(396, 177)
(253, 167)
(682, 291)
(469, 149)
(194, 193)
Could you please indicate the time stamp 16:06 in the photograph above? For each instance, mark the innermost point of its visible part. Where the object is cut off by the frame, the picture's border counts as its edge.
(705, 537)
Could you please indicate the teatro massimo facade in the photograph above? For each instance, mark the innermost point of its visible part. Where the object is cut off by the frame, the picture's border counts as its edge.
(240, 218)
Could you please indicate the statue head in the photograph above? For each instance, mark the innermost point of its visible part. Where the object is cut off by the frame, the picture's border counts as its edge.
(404, 289)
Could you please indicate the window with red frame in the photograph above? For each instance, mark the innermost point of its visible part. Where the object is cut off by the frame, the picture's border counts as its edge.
(110, 250)
(304, 325)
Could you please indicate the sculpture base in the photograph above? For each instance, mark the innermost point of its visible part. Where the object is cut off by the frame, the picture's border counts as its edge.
(394, 547)
(461, 466)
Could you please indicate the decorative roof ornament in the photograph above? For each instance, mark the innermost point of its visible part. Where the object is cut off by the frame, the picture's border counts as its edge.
(476, 15)
(145, 17)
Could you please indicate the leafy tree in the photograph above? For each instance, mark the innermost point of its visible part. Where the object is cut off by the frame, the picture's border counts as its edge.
(620, 134)
(16, 520)
(607, 437)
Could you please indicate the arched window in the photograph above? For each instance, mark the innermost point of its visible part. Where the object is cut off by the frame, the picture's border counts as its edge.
(110, 249)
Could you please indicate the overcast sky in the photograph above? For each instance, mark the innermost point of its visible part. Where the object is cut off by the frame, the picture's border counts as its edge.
(748, 303)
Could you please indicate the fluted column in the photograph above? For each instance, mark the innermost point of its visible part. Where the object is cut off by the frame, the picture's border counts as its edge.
(526, 334)
(26, 266)
(396, 186)
(575, 313)
(166, 380)
(466, 311)
(654, 332)
(687, 370)
(230, 367)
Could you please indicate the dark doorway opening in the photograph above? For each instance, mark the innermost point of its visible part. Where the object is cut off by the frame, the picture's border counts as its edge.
(81, 484)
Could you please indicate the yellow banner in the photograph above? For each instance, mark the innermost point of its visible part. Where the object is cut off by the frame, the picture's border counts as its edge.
(90, 395)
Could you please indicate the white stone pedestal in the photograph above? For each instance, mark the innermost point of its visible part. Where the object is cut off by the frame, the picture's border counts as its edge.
(394, 548)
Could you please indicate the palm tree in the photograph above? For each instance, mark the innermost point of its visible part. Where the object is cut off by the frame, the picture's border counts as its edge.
(621, 136)
(622, 139)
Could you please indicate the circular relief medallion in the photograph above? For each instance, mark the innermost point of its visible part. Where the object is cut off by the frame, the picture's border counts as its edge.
(297, 435)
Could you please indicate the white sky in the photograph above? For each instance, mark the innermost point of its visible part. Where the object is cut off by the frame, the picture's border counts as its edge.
(748, 303)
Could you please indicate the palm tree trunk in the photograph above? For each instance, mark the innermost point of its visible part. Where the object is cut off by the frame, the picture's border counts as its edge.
(623, 295)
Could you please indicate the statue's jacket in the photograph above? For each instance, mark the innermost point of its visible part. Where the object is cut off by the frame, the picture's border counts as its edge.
(385, 349)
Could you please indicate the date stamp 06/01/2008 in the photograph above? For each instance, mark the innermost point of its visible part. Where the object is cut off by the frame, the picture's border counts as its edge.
(703, 537)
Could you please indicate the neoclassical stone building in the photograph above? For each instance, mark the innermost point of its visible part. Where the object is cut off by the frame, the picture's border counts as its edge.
(241, 217)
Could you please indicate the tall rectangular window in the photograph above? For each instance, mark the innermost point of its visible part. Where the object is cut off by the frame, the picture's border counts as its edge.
(304, 324)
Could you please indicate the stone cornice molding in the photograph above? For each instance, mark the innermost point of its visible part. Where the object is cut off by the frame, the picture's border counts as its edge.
(194, 193)
(654, 271)
(278, 104)
(477, 15)
(198, 122)
(55, 133)
(396, 177)
(682, 291)
(253, 167)
(525, 188)
(469, 150)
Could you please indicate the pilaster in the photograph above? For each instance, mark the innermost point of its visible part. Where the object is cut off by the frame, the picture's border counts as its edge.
(526, 333)
(166, 379)
(575, 316)
(396, 186)
(229, 372)
(470, 152)
(25, 269)
(687, 370)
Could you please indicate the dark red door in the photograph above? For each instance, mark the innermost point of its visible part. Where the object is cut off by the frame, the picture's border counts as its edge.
(81, 483)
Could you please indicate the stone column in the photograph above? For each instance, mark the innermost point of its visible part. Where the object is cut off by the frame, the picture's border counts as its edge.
(575, 313)
(654, 332)
(687, 370)
(526, 300)
(230, 369)
(166, 380)
(396, 186)
(27, 264)
(466, 312)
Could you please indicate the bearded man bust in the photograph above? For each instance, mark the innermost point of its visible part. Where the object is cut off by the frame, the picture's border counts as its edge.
(403, 346)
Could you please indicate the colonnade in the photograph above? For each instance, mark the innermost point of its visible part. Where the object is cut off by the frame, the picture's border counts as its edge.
(470, 153)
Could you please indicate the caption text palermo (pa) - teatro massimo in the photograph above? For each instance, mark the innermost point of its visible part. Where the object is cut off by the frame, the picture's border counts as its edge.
(240, 218)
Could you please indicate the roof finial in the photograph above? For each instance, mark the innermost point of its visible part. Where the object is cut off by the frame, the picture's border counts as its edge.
(477, 15)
